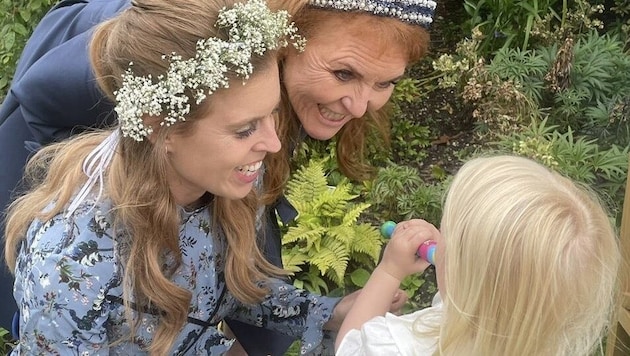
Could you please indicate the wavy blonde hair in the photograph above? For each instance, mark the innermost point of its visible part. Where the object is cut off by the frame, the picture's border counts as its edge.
(352, 138)
(530, 262)
(136, 179)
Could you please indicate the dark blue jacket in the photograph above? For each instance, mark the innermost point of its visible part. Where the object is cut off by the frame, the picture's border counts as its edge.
(54, 95)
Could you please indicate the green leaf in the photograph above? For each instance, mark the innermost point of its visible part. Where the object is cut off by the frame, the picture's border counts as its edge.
(359, 277)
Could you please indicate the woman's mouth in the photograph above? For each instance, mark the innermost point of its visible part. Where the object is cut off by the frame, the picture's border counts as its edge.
(330, 115)
(250, 169)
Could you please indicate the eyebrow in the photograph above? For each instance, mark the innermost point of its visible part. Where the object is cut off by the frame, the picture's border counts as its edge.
(251, 120)
(361, 76)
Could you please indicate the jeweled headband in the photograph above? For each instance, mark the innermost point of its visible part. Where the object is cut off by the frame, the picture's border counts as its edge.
(416, 12)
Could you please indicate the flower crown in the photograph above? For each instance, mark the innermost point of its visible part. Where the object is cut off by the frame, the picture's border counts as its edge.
(416, 12)
(253, 29)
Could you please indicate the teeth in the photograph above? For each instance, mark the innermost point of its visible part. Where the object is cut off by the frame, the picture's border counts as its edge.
(330, 115)
(250, 169)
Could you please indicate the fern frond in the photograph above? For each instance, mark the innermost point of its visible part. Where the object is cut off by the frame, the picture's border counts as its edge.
(367, 240)
(293, 260)
(344, 234)
(334, 256)
(307, 183)
(352, 216)
(300, 232)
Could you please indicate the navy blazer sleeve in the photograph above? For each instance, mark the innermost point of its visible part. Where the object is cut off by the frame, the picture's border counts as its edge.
(59, 95)
(53, 88)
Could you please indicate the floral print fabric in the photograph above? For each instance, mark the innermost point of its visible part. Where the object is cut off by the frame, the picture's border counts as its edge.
(69, 292)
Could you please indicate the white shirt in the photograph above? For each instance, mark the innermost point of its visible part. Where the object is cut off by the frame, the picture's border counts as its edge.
(393, 335)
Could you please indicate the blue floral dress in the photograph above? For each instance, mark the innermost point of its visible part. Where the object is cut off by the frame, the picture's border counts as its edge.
(69, 293)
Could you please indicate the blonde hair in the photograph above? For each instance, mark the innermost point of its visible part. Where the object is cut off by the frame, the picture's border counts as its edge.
(142, 34)
(530, 262)
(352, 138)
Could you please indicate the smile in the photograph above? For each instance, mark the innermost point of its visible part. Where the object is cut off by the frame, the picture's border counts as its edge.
(329, 114)
(250, 169)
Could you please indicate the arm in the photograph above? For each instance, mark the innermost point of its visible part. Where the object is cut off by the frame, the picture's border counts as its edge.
(399, 260)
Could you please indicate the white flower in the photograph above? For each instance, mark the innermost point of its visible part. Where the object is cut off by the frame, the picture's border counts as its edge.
(252, 29)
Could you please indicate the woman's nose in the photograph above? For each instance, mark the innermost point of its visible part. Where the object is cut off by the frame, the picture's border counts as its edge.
(270, 142)
(356, 104)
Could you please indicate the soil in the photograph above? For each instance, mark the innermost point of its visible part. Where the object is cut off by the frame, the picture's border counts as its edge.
(449, 119)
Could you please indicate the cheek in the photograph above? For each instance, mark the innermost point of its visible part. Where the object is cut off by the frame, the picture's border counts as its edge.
(382, 98)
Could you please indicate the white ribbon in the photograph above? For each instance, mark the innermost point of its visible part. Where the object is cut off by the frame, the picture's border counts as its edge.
(94, 167)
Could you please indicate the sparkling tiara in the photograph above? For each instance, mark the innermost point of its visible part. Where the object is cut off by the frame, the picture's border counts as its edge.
(416, 12)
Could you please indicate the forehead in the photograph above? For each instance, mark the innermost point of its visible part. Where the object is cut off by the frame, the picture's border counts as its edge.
(255, 97)
(377, 30)
(358, 43)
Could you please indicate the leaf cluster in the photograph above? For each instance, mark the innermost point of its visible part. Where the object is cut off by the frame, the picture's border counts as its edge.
(327, 234)
(578, 157)
(18, 18)
(399, 193)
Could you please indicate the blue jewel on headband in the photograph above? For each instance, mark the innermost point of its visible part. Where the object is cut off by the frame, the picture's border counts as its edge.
(416, 12)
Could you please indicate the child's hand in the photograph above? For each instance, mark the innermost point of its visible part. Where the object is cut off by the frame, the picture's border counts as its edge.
(399, 258)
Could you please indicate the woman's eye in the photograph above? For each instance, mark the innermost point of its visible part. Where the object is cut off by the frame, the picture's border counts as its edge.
(246, 132)
(386, 85)
(343, 75)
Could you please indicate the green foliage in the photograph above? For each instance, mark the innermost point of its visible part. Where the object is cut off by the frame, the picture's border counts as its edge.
(410, 140)
(17, 20)
(578, 157)
(6, 342)
(406, 90)
(506, 23)
(326, 236)
(398, 193)
(599, 82)
(525, 67)
(583, 84)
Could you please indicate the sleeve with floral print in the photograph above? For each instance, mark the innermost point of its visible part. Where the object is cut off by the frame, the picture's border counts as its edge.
(64, 269)
(291, 311)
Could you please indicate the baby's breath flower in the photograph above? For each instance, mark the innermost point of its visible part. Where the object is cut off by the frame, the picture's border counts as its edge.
(252, 29)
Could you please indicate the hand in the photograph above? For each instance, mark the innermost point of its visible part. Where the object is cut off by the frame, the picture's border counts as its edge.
(399, 258)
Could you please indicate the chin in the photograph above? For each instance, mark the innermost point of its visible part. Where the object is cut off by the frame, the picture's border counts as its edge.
(320, 133)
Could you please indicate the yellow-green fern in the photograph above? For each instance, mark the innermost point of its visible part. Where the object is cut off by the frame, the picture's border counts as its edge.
(326, 235)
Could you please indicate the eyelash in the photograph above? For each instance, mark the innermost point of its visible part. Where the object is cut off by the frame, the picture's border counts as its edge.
(247, 132)
(386, 85)
(254, 126)
(345, 75)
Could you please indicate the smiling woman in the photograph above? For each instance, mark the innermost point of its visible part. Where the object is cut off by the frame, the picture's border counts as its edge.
(338, 87)
(222, 152)
(142, 237)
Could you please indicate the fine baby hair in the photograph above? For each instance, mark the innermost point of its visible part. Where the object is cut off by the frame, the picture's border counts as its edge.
(529, 263)
(526, 263)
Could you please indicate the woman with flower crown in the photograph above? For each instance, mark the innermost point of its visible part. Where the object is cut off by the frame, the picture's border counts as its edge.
(356, 51)
(141, 238)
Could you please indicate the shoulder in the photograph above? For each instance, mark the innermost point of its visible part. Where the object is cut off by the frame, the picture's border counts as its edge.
(88, 229)
(391, 334)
